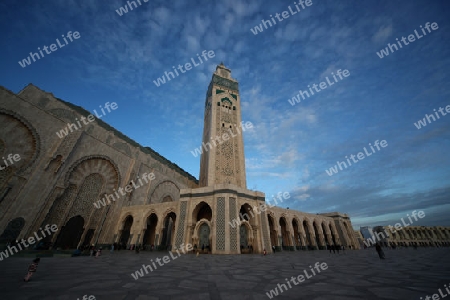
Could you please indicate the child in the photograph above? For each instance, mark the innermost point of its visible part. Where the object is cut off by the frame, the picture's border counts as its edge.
(31, 269)
(98, 253)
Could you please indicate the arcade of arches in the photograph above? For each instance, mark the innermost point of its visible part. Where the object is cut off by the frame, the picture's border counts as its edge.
(420, 236)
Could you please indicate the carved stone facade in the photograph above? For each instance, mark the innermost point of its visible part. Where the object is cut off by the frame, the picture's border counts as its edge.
(58, 180)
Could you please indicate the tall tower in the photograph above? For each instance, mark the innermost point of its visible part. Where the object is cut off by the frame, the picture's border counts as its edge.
(220, 213)
(223, 159)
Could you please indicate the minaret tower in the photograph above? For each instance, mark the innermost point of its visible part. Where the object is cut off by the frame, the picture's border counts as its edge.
(221, 213)
(223, 159)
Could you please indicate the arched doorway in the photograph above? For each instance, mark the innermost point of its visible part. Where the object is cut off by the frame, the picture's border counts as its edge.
(203, 211)
(150, 232)
(273, 232)
(71, 233)
(203, 236)
(201, 231)
(168, 231)
(246, 214)
(286, 245)
(244, 236)
(12, 230)
(125, 236)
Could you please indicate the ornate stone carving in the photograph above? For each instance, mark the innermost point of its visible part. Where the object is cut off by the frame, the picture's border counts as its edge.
(87, 195)
(60, 206)
(220, 224)
(181, 224)
(233, 230)
(19, 137)
(232, 85)
(94, 164)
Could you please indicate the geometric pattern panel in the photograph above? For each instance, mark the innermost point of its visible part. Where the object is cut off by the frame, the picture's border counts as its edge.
(181, 225)
(220, 224)
(88, 194)
(233, 230)
(94, 222)
(60, 205)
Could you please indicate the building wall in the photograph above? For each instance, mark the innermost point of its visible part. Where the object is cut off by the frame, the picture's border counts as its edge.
(60, 178)
(415, 235)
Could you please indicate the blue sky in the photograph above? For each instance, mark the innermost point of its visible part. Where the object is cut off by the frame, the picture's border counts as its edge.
(290, 147)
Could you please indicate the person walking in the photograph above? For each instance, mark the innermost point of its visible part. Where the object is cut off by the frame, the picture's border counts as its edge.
(112, 248)
(379, 251)
(32, 269)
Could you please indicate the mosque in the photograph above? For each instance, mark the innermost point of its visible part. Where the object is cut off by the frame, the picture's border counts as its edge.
(59, 179)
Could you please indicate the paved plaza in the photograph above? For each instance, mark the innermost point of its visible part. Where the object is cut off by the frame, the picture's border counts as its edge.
(404, 274)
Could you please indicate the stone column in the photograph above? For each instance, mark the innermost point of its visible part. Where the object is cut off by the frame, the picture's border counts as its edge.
(353, 241)
(321, 237)
(329, 240)
(312, 236)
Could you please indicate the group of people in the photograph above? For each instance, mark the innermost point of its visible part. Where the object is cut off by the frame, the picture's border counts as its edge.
(95, 252)
(335, 248)
(136, 247)
(249, 247)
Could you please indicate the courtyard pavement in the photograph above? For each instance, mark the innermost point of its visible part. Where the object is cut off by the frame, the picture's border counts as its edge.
(404, 274)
